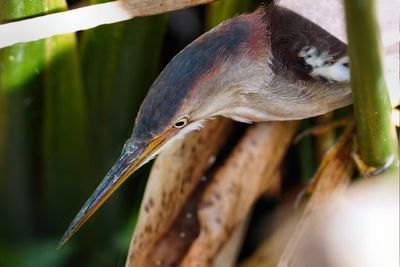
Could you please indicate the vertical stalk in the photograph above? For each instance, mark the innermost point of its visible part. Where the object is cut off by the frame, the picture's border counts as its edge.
(64, 150)
(20, 81)
(324, 141)
(305, 154)
(372, 108)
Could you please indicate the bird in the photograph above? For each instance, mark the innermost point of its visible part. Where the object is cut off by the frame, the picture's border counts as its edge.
(268, 65)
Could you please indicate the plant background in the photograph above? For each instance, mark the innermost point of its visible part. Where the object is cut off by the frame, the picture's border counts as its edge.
(67, 105)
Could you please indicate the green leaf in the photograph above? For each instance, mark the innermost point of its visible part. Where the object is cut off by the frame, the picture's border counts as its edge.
(20, 80)
(66, 161)
(21, 62)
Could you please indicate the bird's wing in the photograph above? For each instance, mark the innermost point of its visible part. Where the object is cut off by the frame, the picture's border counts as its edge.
(303, 50)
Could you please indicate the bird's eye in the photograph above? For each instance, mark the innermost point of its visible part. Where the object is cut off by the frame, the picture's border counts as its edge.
(181, 122)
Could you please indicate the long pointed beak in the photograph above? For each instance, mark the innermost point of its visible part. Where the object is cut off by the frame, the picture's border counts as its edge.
(133, 156)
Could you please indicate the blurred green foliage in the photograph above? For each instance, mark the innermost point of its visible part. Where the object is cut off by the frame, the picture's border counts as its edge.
(222, 10)
(67, 107)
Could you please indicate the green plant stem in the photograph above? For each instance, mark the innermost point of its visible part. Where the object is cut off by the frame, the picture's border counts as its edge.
(372, 108)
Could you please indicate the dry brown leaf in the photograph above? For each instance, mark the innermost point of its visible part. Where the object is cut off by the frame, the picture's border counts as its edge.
(164, 230)
(228, 255)
(176, 172)
(332, 178)
(244, 176)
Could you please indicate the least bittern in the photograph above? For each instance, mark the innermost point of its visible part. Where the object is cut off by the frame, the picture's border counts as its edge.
(272, 64)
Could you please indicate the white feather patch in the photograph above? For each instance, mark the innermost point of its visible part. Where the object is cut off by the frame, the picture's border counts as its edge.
(323, 65)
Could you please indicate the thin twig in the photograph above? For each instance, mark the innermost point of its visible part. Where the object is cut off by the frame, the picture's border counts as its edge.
(85, 18)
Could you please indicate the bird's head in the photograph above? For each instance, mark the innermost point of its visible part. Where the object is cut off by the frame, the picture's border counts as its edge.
(201, 82)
